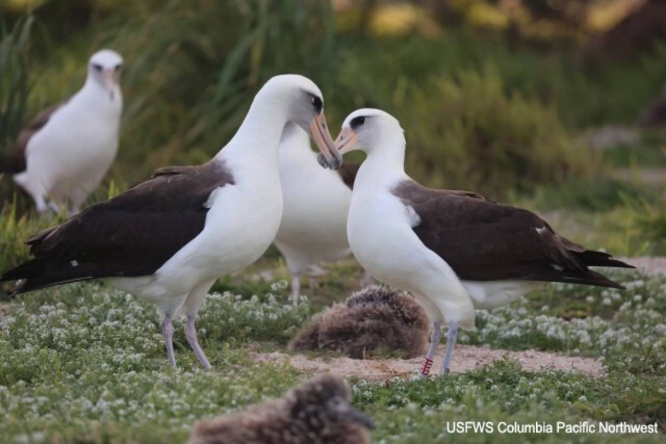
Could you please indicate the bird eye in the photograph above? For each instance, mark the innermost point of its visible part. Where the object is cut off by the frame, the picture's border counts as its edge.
(357, 121)
(318, 104)
(97, 67)
(118, 67)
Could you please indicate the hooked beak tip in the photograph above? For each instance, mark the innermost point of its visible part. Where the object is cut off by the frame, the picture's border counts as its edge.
(329, 156)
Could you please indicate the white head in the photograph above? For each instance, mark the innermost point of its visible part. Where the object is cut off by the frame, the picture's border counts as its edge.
(305, 108)
(104, 69)
(369, 130)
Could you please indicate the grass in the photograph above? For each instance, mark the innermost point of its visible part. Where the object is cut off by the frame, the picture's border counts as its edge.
(84, 363)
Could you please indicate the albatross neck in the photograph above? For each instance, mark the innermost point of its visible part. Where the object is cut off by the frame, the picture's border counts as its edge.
(385, 164)
(258, 137)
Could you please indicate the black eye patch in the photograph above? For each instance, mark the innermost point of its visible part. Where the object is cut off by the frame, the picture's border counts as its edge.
(97, 67)
(118, 67)
(356, 122)
(318, 104)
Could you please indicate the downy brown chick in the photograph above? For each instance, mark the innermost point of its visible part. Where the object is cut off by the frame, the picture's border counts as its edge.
(372, 319)
(317, 412)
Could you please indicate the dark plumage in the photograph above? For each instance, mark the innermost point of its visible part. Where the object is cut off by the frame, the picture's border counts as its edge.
(485, 241)
(316, 412)
(16, 162)
(375, 318)
(348, 173)
(128, 235)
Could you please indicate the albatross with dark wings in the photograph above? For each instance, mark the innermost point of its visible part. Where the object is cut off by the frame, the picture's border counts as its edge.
(455, 251)
(168, 239)
(66, 151)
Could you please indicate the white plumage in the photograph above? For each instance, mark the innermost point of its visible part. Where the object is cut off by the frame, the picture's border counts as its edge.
(166, 240)
(401, 232)
(67, 158)
(316, 203)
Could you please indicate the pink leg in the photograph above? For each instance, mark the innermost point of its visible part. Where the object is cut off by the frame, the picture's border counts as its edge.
(434, 342)
(167, 332)
(191, 336)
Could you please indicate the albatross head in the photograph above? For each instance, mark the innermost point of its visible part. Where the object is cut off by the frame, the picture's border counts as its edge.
(104, 68)
(369, 130)
(305, 107)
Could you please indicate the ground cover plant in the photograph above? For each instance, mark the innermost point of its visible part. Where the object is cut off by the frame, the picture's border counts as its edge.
(85, 363)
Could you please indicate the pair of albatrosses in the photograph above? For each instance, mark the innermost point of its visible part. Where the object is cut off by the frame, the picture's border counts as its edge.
(65, 152)
(167, 240)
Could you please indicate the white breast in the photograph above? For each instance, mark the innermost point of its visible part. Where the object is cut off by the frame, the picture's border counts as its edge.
(383, 241)
(316, 204)
(69, 157)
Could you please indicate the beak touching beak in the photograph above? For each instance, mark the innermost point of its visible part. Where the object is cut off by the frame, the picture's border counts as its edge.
(329, 157)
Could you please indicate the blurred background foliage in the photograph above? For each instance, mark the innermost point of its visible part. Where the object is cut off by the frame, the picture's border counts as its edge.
(531, 101)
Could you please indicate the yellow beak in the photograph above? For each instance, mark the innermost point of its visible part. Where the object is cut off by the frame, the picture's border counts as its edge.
(329, 157)
(346, 141)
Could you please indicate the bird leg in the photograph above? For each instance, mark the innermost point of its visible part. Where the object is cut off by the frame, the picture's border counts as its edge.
(367, 279)
(451, 339)
(191, 336)
(434, 342)
(167, 332)
(40, 204)
(295, 287)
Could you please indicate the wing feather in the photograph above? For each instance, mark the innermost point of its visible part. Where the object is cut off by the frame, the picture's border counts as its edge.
(132, 234)
(485, 241)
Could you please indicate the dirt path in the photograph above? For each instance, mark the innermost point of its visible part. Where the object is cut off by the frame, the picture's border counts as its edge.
(651, 264)
(465, 358)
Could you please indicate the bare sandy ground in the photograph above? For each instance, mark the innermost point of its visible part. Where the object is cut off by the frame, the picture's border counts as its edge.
(650, 264)
(465, 358)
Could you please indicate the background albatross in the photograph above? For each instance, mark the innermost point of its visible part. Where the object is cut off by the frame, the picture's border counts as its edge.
(453, 250)
(66, 151)
(168, 239)
(316, 203)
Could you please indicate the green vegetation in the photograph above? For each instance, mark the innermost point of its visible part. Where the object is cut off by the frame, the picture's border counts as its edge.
(84, 363)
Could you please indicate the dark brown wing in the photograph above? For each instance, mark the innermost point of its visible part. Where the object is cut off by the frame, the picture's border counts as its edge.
(485, 241)
(16, 162)
(132, 234)
(348, 173)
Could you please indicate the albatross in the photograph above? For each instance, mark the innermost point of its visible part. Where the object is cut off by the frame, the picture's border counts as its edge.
(455, 251)
(168, 239)
(65, 152)
(316, 202)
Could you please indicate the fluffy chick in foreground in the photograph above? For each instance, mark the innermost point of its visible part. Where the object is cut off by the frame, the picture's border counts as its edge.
(317, 412)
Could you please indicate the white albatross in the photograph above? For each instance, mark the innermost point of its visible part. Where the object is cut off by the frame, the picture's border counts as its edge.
(168, 239)
(454, 251)
(65, 152)
(316, 203)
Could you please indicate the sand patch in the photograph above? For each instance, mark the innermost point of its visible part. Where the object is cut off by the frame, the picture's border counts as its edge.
(465, 357)
(650, 264)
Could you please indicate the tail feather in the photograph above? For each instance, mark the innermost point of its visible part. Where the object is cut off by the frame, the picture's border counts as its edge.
(588, 277)
(37, 274)
(600, 259)
(12, 164)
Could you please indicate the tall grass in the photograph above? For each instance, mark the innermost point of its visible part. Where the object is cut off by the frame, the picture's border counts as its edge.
(14, 78)
(193, 68)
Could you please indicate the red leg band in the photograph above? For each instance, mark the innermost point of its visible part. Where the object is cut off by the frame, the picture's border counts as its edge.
(427, 365)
